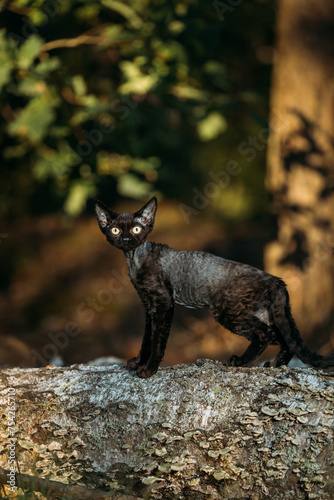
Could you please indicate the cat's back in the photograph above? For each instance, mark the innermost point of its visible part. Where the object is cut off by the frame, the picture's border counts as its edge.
(196, 277)
(195, 263)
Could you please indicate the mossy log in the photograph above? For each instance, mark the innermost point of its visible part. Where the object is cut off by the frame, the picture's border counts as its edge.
(197, 431)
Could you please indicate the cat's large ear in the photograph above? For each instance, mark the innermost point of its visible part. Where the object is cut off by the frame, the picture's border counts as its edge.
(147, 213)
(104, 215)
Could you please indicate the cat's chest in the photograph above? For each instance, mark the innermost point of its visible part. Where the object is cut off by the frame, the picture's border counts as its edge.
(141, 263)
(135, 268)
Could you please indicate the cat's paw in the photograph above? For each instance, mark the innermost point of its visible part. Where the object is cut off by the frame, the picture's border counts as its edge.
(133, 364)
(145, 372)
(234, 361)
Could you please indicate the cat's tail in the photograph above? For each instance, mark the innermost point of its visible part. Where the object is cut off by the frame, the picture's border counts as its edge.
(280, 315)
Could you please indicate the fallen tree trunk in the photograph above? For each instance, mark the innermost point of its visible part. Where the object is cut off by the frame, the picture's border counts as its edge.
(191, 431)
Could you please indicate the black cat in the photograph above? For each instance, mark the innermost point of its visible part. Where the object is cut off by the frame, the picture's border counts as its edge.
(245, 300)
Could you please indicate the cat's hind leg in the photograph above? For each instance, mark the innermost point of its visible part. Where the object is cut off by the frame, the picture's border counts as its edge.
(283, 358)
(255, 348)
(252, 328)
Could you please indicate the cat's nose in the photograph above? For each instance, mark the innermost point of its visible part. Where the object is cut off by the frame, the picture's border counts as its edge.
(126, 239)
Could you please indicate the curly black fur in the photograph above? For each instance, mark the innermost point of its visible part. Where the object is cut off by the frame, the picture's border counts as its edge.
(243, 299)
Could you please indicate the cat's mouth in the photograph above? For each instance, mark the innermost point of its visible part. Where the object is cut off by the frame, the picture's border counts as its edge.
(128, 244)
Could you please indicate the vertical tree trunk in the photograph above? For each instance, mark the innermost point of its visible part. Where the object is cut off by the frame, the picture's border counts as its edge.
(301, 161)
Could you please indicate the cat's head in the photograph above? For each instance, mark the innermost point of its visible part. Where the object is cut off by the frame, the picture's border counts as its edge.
(126, 230)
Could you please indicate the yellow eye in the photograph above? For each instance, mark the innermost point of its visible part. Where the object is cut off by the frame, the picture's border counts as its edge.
(115, 230)
(136, 229)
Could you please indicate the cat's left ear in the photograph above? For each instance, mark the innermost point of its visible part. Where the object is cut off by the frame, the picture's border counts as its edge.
(147, 213)
(104, 215)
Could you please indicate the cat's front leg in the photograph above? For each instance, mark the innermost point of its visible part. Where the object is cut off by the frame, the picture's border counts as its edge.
(162, 316)
(133, 363)
(145, 350)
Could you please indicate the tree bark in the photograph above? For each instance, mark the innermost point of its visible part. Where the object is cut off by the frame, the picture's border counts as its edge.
(301, 161)
(198, 431)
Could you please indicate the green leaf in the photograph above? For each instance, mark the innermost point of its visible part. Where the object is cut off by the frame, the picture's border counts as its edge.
(37, 17)
(55, 163)
(130, 185)
(5, 72)
(126, 11)
(31, 86)
(218, 74)
(185, 91)
(142, 165)
(45, 67)
(6, 60)
(212, 126)
(33, 121)
(29, 51)
(80, 191)
(79, 85)
(88, 12)
(175, 27)
(137, 82)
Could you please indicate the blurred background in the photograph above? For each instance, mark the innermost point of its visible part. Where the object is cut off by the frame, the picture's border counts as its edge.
(224, 110)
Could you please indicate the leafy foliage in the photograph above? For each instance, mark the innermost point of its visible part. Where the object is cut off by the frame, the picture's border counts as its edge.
(130, 98)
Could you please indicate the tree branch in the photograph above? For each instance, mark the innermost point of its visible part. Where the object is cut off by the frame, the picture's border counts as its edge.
(194, 431)
(18, 9)
(83, 39)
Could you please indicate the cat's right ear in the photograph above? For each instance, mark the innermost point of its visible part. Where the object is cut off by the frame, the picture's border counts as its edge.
(146, 214)
(104, 215)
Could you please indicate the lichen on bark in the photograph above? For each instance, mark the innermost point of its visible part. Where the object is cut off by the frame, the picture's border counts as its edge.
(191, 431)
